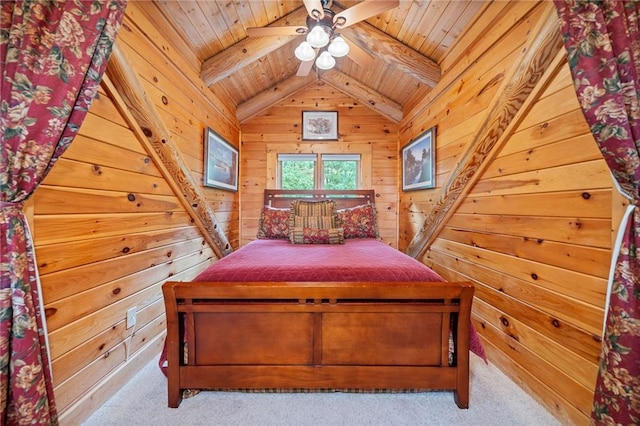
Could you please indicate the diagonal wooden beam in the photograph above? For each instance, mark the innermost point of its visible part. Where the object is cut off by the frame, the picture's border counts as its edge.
(517, 94)
(393, 52)
(272, 95)
(336, 79)
(362, 93)
(249, 50)
(132, 101)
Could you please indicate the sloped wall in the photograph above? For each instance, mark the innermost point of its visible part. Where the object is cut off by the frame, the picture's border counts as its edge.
(361, 130)
(109, 229)
(534, 232)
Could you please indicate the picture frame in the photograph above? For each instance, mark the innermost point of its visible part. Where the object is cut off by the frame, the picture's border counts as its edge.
(418, 162)
(221, 161)
(320, 125)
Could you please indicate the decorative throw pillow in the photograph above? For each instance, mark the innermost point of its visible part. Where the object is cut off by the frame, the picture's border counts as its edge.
(313, 214)
(313, 208)
(321, 222)
(274, 223)
(359, 222)
(300, 235)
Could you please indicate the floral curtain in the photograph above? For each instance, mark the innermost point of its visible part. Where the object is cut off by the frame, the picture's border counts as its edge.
(53, 54)
(602, 39)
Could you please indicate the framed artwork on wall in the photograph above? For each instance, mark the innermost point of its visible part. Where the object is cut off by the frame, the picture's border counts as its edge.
(320, 125)
(220, 162)
(418, 162)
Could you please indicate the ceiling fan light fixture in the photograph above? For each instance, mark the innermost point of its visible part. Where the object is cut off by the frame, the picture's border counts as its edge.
(304, 52)
(318, 37)
(325, 61)
(338, 47)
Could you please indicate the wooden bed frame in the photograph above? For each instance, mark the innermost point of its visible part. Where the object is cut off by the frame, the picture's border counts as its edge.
(318, 336)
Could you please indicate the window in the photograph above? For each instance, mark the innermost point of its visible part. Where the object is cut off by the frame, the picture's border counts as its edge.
(318, 171)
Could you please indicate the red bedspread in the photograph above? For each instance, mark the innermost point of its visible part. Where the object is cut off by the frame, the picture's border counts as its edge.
(355, 260)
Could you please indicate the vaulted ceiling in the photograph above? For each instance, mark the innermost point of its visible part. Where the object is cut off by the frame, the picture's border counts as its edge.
(405, 45)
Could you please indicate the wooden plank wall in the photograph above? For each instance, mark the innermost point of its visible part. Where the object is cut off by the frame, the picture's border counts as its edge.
(534, 233)
(361, 130)
(109, 230)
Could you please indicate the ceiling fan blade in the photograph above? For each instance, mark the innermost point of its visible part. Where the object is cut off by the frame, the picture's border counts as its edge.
(274, 31)
(359, 55)
(312, 5)
(364, 10)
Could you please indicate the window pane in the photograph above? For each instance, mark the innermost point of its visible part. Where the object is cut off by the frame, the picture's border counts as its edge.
(297, 174)
(340, 174)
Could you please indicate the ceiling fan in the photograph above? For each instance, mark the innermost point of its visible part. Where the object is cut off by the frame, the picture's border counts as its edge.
(322, 35)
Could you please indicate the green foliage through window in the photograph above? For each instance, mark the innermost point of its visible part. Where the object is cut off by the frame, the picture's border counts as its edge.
(335, 171)
(340, 174)
(298, 174)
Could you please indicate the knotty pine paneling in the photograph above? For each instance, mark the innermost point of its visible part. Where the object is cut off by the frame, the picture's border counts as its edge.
(109, 229)
(534, 232)
(360, 130)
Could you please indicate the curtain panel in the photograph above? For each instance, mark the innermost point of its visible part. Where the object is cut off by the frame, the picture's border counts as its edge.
(53, 55)
(602, 40)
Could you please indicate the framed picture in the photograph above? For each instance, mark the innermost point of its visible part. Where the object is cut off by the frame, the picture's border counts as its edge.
(319, 125)
(220, 162)
(418, 162)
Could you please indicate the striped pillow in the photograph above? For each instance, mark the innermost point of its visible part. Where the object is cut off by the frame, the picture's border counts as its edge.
(312, 215)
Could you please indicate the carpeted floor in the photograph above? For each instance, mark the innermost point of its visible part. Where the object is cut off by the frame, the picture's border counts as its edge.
(495, 400)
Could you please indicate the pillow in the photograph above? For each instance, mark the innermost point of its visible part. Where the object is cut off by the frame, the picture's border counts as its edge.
(313, 214)
(313, 208)
(301, 235)
(321, 222)
(274, 223)
(359, 222)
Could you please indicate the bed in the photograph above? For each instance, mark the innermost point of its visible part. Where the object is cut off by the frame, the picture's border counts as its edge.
(283, 315)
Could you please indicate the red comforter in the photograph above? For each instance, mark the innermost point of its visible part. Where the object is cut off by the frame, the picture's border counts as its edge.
(355, 260)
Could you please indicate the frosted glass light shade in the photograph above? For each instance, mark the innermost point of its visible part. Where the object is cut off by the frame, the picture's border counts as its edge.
(305, 52)
(325, 61)
(338, 47)
(318, 37)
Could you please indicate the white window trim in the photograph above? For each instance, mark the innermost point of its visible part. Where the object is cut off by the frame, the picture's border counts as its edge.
(364, 149)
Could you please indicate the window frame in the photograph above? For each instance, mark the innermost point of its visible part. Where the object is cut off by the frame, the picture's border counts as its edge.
(363, 149)
(319, 168)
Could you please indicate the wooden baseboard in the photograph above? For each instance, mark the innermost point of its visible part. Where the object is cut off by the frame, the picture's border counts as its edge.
(82, 409)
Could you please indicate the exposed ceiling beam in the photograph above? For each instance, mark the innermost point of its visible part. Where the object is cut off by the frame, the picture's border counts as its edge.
(272, 95)
(362, 93)
(374, 41)
(393, 52)
(336, 79)
(248, 50)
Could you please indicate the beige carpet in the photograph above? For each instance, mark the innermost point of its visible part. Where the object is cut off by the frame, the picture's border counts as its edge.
(495, 400)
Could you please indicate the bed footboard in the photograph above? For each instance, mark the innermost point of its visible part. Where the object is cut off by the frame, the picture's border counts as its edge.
(342, 336)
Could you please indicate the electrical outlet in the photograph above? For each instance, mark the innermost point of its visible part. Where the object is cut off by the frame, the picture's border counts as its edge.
(131, 317)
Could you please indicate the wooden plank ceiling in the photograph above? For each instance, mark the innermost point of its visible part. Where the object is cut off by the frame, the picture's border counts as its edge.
(406, 43)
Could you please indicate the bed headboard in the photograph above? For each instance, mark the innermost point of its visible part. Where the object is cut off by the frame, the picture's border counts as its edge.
(282, 198)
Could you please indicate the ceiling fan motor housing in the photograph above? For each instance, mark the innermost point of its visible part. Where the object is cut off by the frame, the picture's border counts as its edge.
(326, 21)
